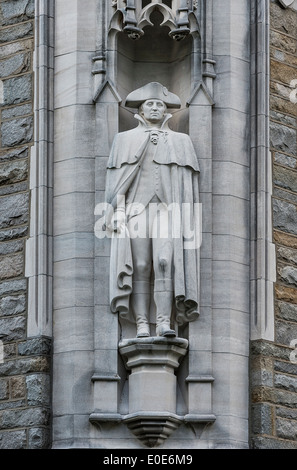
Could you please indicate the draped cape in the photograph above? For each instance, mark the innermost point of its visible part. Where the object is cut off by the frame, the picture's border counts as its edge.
(179, 170)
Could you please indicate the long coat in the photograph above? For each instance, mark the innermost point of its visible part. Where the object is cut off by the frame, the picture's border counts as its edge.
(179, 170)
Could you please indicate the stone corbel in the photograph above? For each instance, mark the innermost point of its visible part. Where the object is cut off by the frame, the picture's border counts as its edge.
(130, 22)
(152, 416)
(182, 21)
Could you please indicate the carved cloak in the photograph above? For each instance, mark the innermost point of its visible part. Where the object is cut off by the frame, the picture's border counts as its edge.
(179, 171)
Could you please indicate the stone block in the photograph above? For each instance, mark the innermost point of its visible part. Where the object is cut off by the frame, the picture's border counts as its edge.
(74, 213)
(68, 330)
(17, 90)
(285, 178)
(286, 429)
(16, 111)
(4, 389)
(14, 233)
(287, 311)
(14, 286)
(39, 438)
(285, 332)
(17, 131)
(286, 382)
(18, 387)
(38, 389)
(74, 283)
(283, 42)
(74, 175)
(13, 440)
(288, 275)
(15, 65)
(14, 210)
(35, 347)
(11, 266)
(285, 160)
(74, 245)
(282, 20)
(12, 12)
(24, 418)
(284, 216)
(287, 294)
(12, 305)
(19, 31)
(77, 19)
(285, 239)
(262, 419)
(73, 79)
(283, 138)
(7, 50)
(13, 328)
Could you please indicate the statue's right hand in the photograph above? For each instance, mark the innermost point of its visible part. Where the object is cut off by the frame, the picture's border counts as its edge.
(118, 222)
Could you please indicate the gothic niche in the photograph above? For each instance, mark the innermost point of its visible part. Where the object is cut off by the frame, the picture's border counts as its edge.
(153, 277)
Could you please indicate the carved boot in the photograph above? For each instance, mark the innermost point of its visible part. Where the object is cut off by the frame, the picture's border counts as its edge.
(163, 296)
(140, 300)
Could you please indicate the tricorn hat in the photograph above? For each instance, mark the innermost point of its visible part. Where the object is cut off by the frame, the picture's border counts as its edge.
(153, 90)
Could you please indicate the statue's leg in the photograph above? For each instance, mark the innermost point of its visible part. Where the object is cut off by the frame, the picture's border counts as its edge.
(141, 288)
(163, 286)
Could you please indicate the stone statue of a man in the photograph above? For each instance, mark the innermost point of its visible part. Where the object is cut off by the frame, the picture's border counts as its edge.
(152, 191)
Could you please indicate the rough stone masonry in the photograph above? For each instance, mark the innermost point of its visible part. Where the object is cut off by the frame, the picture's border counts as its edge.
(24, 362)
(274, 370)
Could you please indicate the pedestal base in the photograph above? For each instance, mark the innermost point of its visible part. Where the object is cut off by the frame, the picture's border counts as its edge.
(152, 416)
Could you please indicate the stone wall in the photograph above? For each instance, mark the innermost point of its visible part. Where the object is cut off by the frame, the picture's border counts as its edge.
(24, 362)
(274, 364)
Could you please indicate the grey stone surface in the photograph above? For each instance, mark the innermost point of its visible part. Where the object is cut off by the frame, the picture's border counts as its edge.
(287, 254)
(262, 418)
(286, 178)
(24, 366)
(286, 331)
(288, 274)
(11, 266)
(12, 154)
(288, 311)
(11, 247)
(13, 233)
(4, 389)
(19, 63)
(17, 131)
(286, 195)
(283, 138)
(14, 286)
(16, 111)
(39, 438)
(272, 443)
(12, 305)
(17, 90)
(16, 11)
(35, 347)
(13, 172)
(286, 382)
(286, 413)
(24, 418)
(286, 429)
(19, 31)
(14, 188)
(14, 210)
(12, 329)
(38, 389)
(285, 160)
(284, 216)
(13, 439)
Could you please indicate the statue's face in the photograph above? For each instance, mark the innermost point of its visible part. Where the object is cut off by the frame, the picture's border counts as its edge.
(153, 110)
